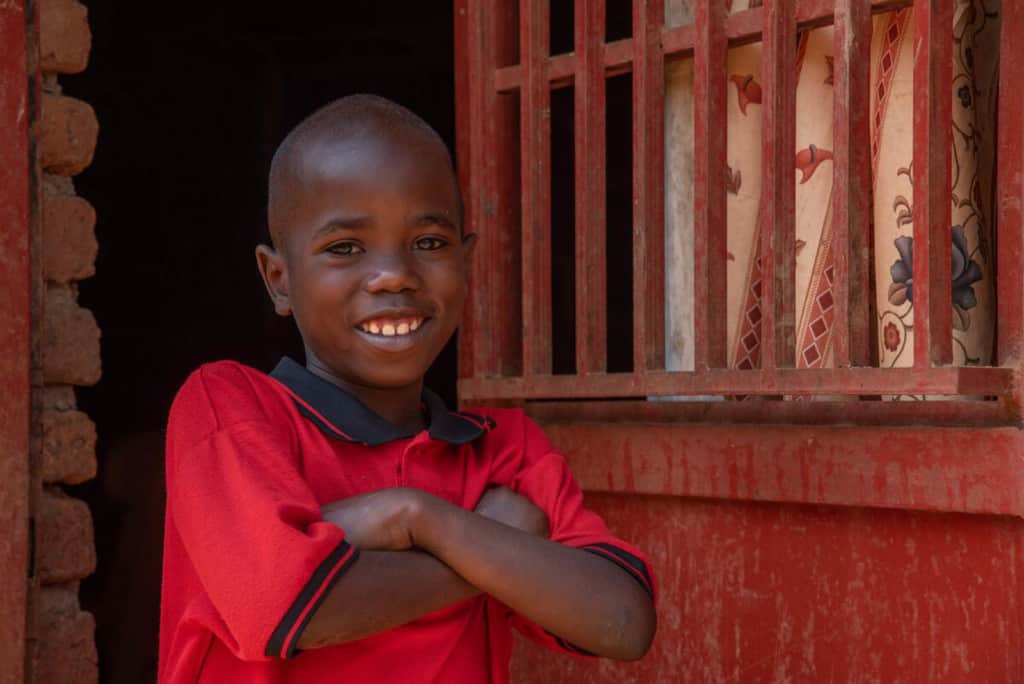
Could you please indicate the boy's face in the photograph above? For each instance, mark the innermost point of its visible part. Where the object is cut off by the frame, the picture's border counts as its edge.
(371, 260)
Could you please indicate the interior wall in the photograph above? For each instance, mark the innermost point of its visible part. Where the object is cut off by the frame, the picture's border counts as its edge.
(193, 100)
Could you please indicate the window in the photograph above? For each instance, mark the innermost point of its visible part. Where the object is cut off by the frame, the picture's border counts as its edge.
(507, 78)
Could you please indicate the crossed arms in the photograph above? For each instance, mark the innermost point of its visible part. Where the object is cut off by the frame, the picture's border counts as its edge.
(420, 553)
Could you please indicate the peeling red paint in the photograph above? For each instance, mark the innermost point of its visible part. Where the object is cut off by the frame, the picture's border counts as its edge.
(753, 592)
(845, 466)
(15, 337)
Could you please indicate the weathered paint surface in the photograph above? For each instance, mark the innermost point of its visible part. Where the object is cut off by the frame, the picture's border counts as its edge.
(851, 181)
(752, 592)
(589, 127)
(781, 556)
(535, 184)
(933, 103)
(778, 190)
(1010, 190)
(864, 380)
(648, 181)
(14, 337)
(978, 470)
(709, 220)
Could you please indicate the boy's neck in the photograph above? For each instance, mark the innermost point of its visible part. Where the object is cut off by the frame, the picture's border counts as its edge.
(400, 406)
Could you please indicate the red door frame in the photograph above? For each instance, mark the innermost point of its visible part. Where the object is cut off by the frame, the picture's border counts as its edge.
(15, 334)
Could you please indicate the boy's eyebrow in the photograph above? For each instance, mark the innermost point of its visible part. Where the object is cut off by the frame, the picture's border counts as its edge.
(345, 222)
(430, 217)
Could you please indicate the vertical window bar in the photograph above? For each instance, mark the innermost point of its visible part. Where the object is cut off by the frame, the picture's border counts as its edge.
(1010, 187)
(778, 190)
(535, 143)
(851, 193)
(591, 276)
(648, 183)
(933, 68)
(487, 151)
(471, 152)
(468, 99)
(710, 101)
(500, 197)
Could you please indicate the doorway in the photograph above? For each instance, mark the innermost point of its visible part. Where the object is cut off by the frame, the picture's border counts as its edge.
(192, 100)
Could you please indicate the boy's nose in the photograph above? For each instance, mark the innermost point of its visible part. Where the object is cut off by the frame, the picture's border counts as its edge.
(392, 273)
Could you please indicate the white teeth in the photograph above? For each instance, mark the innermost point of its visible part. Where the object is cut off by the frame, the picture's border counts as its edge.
(402, 327)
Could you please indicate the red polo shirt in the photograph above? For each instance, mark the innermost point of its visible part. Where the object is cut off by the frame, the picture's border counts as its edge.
(247, 556)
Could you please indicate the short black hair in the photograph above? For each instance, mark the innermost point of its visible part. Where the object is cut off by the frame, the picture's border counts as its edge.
(352, 116)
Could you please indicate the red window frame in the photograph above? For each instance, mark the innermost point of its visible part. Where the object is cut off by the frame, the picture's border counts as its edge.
(505, 75)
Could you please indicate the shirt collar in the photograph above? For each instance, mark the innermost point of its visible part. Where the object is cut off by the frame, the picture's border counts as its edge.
(340, 415)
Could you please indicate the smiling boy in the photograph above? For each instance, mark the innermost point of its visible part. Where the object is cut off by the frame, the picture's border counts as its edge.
(335, 521)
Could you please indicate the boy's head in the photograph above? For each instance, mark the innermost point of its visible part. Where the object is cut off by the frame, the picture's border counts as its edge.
(368, 251)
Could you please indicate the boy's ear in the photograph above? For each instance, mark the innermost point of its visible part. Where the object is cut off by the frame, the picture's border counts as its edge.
(468, 246)
(275, 277)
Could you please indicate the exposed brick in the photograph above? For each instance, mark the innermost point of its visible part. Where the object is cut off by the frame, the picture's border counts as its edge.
(64, 650)
(63, 645)
(69, 447)
(71, 340)
(64, 36)
(67, 134)
(69, 238)
(65, 550)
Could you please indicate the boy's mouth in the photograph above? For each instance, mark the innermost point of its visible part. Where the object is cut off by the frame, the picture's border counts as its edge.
(392, 327)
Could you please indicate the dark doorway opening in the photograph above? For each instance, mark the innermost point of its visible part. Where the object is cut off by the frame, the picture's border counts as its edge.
(192, 99)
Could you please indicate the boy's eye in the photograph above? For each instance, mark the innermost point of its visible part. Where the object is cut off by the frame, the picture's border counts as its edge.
(345, 248)
(430, 243)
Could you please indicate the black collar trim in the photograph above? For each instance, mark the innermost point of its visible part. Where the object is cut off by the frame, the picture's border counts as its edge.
(340, 415)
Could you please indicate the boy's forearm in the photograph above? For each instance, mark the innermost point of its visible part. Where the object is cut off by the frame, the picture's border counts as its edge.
(574, 594)
(381, 590)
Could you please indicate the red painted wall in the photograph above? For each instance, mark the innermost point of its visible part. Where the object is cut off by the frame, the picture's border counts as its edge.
(811, 554)
(759, 592)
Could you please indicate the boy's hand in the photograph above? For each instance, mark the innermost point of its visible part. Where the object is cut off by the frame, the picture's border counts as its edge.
(378, 521)
(505, 506)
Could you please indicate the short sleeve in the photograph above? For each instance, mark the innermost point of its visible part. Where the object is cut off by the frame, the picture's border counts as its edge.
(543, 476)
(549, 483)
(250, 524)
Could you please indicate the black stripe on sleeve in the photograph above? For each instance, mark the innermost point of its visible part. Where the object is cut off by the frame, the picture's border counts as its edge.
(627, 561)
(276, 647)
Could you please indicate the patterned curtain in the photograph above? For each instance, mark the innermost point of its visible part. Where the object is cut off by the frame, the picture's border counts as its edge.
(975, 77)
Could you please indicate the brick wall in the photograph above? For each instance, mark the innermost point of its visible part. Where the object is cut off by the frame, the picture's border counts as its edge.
(61, 635)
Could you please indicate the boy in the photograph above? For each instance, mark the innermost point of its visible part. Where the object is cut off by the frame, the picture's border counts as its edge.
(338, 512)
